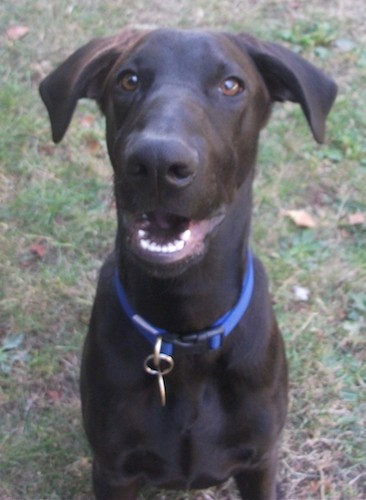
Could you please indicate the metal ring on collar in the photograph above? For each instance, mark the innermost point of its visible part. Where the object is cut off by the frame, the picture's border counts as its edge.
(157, 370)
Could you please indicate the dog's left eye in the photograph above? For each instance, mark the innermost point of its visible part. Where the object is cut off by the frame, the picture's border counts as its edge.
(129, 81)
(231, 86)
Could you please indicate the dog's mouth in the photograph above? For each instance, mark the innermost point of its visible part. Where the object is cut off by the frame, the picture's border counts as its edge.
(163, 238)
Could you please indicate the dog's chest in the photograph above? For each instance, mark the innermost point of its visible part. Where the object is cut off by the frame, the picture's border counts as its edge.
(193, 442)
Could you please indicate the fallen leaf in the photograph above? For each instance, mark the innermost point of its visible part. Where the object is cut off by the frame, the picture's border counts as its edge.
(38, 249)
(13, 341)
(40, 70)
(93, 146)
(16, 32)
(87, 121)
(31, 399)
(345, 44)
(314, 487)
(301, 293)
(54, 395)
(301, 218)
(356, 218)
(79, 467)
(46, 149)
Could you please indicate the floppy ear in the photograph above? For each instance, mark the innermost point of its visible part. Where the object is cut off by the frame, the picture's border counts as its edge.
(289, 77)
(82, 75)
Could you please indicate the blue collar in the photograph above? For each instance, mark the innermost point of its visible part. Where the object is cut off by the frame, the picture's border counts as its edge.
(198, 342)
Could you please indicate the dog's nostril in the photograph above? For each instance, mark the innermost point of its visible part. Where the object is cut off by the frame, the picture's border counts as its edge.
(138, 170)
(179, 172)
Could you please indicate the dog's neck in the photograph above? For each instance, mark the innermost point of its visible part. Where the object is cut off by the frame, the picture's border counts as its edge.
(195, 299)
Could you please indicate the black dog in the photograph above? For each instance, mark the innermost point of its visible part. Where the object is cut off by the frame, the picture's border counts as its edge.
(184, 379)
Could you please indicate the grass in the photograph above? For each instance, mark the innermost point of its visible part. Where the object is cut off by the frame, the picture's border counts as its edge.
(57, 225)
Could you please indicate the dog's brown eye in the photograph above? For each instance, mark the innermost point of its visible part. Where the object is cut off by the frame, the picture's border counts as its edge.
(129, 81)
(231, 86)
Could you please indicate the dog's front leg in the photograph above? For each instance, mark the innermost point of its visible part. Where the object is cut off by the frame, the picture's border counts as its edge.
(258, 484)
(103, 490)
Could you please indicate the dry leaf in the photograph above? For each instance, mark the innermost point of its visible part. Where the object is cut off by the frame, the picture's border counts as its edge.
(40, 70)
(356, 218)
(87, 121)
(31, 399)
(39, 249)
(93, 146)
(46, 149)
(54, 395)
(301, 293)
(301, 218)
(16, 32)
(79, 467)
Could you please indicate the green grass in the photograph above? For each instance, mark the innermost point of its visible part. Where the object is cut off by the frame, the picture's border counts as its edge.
(57, 225)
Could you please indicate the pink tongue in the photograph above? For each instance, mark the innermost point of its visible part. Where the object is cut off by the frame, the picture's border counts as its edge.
(165, 220)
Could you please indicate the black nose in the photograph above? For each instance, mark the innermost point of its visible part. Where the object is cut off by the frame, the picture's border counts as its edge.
(168, 162)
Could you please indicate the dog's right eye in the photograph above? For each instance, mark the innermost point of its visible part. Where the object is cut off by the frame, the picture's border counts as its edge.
(232, 86)
(129, 81)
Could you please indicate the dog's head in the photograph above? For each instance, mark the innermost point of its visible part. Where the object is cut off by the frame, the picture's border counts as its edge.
(184, 111)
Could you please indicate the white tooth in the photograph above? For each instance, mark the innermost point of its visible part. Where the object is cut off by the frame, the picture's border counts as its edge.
(141, 233)
(176, 246)
(186, 235)
(179, 244)
(153, 247)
